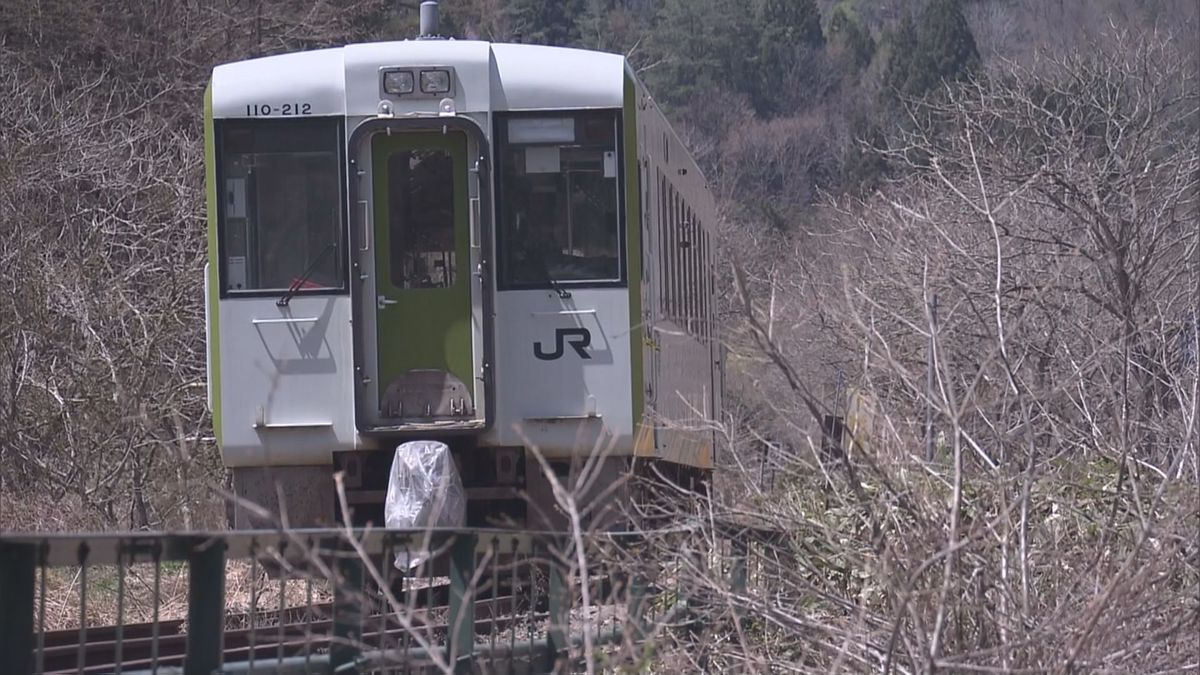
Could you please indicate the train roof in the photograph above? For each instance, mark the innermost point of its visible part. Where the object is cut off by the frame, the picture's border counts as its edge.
(490, 77)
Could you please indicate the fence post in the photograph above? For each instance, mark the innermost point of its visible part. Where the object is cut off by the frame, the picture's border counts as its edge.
(737, 574)
(462, 602)
(206, 606)
(560, 613)
(636, 611)
(347, 610)
(17, 564)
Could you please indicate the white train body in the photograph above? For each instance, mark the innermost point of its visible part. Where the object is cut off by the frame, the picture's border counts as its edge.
(501, 246)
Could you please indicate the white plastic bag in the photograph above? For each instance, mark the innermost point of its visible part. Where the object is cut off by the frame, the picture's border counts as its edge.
(424, 490)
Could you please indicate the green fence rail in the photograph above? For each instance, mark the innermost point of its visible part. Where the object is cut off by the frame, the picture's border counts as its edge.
(305, 601)
(332, 601)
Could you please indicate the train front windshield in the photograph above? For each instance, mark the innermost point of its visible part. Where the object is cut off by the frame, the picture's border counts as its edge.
(559, 200)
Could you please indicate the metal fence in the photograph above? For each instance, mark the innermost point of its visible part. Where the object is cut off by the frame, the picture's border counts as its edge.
(316, 601)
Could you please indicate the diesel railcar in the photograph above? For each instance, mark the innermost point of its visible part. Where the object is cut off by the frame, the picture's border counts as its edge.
(504, 247)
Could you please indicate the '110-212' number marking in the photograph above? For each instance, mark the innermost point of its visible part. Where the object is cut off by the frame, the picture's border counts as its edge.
(284, 109)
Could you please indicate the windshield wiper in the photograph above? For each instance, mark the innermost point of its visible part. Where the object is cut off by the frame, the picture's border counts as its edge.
(300, 280)
(558, 287)
(563, 293)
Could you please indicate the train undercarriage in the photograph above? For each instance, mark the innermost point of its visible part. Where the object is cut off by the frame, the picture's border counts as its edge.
(506, 487)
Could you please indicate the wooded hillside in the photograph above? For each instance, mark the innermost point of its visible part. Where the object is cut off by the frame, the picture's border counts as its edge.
(967, 227)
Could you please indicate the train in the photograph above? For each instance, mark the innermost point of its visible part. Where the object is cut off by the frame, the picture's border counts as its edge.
(503, 247)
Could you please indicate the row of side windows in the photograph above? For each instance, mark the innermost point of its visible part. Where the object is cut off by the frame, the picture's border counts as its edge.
(685, 288)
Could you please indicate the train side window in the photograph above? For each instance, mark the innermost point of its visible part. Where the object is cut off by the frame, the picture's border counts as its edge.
(706, 264)
(689, 282)
(702, 278)
(660, 240)
(669, 232)
(698, 254)
(685, 293)
(644, 218)
(673, 255)
(677, 253)
(559, 197)
(697, 267)
(693, 287)
(709, 290)
(280, 208)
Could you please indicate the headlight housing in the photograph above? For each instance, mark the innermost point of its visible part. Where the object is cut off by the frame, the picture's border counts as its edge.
(435, 81)
(398, 82)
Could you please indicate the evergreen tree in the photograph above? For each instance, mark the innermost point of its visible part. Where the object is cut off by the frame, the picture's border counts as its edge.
(698, 45)
(902, 49)
(594, 25)
(617, 26)
(941, 48)
(789, 37)
(849, 39)
(947, 46)
(790, 23)
(545, 22)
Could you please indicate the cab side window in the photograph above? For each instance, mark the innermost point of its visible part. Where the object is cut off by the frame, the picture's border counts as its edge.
(559, 200)
(280, 211)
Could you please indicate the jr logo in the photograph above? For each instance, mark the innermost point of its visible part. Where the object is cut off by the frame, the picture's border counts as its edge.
(578, 338)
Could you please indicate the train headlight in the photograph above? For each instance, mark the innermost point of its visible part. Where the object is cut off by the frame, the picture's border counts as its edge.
(399, 81)
(435, 81)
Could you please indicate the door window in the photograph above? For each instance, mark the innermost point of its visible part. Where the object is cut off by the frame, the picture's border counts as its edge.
(421, 219)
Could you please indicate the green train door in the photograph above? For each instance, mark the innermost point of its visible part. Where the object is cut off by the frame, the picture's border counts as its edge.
(423, 278)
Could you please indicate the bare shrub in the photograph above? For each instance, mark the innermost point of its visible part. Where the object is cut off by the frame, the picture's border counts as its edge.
(102, 247)
(1019, 492)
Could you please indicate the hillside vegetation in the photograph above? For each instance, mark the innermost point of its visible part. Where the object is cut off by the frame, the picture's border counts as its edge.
(970, 228)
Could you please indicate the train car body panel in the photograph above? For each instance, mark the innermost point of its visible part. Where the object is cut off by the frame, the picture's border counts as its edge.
(287, 85)
(501, 246)
(563, 372)
(469, 62)
(293, 375)
(533, 77)
(681, 349)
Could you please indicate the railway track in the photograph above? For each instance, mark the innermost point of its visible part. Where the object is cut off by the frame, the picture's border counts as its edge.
(248, 636)
(305, 631)
(146, 646)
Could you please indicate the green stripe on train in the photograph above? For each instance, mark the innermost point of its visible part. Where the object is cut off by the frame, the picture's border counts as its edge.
(633, 229)
(214, 292)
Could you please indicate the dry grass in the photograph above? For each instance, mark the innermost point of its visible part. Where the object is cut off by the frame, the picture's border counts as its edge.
(28, 510)
(245, 592)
